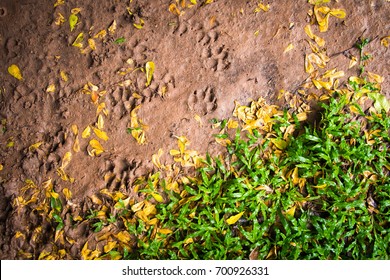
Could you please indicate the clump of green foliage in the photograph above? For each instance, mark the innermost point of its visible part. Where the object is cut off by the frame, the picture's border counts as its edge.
(325, 195)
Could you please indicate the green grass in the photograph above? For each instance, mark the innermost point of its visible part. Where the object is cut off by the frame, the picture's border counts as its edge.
(326, 195)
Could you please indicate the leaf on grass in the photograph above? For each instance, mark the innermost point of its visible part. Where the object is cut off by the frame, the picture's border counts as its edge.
(290, 212)
(78, 42)
(164, 231)
(73, 19)
(87, 132)
(15, 72)
(380, 101)
(235, 218)
(279, 143)
(149, 69)
(157, 197)
(101, 134)
(323, 186)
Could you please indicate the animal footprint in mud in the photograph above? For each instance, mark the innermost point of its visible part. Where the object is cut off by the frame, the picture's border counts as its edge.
(203, 101)
(204, 38)
(181, 29)
(216, 58)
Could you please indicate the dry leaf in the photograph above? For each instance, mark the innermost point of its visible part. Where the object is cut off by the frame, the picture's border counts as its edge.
(101, 134)
(149, 69)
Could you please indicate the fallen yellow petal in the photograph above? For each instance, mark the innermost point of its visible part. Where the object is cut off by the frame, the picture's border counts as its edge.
(15, 72)
(235, 218)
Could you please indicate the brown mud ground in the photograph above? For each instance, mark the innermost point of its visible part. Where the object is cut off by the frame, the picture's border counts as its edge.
(205, 59)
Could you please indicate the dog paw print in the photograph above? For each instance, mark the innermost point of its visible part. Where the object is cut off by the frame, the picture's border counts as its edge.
(216, 58)
(203, 101)
(204, 38)
(180, 29)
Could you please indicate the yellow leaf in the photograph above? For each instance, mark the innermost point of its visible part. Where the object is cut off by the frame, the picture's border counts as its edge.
(100, 122)
(1, 167)
(174, 10)
(51, 88)
(66, 159)
(149, 68)
(289, 48)
(158, 197)
(138, 206)
(323, 186)
(352, 62)
(101, 134)
(15, 72)
(85, 252)
(164, 231)
(385, 41)
(75, 129)
(78, 42)
(64, 76)
(279, 143)
(112, 28)
(123, 237)
(91, 44)
(139, 25)
(60, 19)
(110, 245)
(67, 193)
(156, 158)
(97, 146)
(73, 19)
(295, 177)
(76, 145)
(290, 212)
(75, 11)
(87, 132)
(59, 2)
(101, 34)
(35, 146)
(235, 218)
(101, 107)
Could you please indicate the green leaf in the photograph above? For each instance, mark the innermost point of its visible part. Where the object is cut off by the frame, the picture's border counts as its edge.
(380, 101)
(120, 40)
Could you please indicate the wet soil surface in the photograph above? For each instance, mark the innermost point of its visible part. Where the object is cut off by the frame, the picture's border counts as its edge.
(205, 59)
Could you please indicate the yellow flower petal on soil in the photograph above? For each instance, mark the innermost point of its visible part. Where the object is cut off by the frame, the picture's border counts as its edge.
(76, 145)
(15, 72)
(64, 76)
(86, 132)
(60, 19)
(385, 41)
(66, 159)
(174, 10)
(51, 88)
(318, 40)
(112, 28)
(139, 25)
(91, 44)
(156, 158)
(96, 145)
(375, 78)
(149, 69)
(101, 134)
(67, 193)
(1, 167)
(78, 42)
(235, 218)
(262, 7)
(75, 11)
(352, 62)
(101, 34)
(288, 48)
(58, 3)
(73, 19)
(35, 146)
